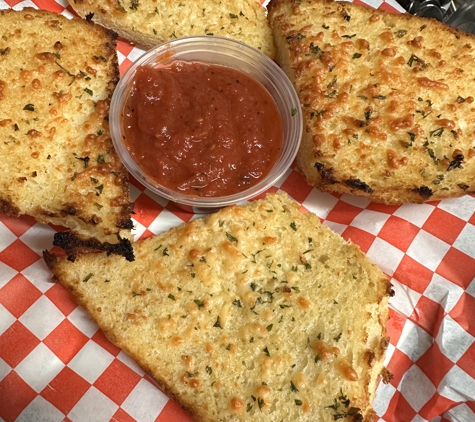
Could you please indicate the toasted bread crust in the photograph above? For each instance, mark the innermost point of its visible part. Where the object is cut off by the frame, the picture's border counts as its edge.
(74, 246)
(256, 312)
(387, 100)
(148, 23)
(58, 163)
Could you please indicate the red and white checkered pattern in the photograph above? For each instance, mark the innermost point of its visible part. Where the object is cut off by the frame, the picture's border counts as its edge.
(56, 365)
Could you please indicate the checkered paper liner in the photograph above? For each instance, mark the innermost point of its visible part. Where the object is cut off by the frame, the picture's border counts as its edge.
(56, 365)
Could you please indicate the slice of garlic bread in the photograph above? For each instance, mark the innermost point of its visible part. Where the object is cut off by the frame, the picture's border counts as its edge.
(57, 160)
(148, 23)
(387, 100)
(257, 312)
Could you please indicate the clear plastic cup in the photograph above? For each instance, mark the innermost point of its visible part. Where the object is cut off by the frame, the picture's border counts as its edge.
(225, 52)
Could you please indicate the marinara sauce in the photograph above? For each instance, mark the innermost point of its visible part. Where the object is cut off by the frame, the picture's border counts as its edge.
(201, 129)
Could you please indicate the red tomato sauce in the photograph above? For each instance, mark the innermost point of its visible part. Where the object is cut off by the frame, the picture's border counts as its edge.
(200, 129)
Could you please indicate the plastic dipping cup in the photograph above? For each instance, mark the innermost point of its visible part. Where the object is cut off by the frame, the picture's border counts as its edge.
(225, 52)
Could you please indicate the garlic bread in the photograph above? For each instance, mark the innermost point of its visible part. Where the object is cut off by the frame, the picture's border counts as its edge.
(148, 23)
(387, 100)
(256, 312)
(57, 160)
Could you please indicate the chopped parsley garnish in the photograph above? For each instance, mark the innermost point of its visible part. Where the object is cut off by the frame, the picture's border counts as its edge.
(293, 111)
(88, 277)
(437, 132)
(339, 413)
(120, 7)
(414, 58)
(298, 37)
(315, 49)
(432, 155)
(456, 162)
(217, 323)
(85, 160)
(293, 226)
(424, 114)
(29, 107)
(88, 91)
(199, 303)
(231, 237)
(237, 303)
(293, 387)
(170, 296)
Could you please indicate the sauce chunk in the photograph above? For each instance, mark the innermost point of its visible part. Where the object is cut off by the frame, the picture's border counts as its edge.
(201, 129)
